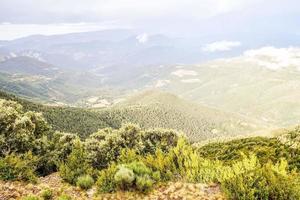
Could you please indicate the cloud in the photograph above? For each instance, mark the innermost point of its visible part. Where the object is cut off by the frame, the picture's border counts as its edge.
(10, 31)
(221, 46)
(193, 80)
(62, 11)
(161, 83)
(274, 58)
(183, 72)
(143, 38)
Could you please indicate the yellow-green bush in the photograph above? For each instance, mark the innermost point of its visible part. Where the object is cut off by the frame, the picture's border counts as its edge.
(105, 181)
(47, 194)
(85, 182)
(124, 178)
(75, 165)
(64, 197)
(31, 197)
(18, 167)
(263, 182)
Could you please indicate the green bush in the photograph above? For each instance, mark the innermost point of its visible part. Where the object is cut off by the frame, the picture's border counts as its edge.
(64, 197)
(161, 162)
(262, 182)
(47, 194)
(156, 176)
(20, 131)
(105, 181)
(106, 145)
(135, 176)
(85, 182)
(124, 178)
(31, 197)
(139, 168)
(75, 165)
(18, 167)
(144, 183)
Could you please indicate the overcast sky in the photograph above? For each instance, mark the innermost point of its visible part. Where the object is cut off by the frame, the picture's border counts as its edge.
(25, 17)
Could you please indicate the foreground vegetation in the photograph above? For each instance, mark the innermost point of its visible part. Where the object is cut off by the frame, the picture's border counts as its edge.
(137, 160)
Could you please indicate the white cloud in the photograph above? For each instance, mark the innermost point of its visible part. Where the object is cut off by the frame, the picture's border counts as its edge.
(143, 38)
(183, 72)
(192, 80)
(12, 31)
(161, 83)
(221, 46)
(274, 58)
(133, 9)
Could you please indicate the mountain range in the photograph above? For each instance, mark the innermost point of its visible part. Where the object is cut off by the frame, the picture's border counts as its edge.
(100, 69)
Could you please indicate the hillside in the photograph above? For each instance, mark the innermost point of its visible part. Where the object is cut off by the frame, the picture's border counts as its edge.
(67, 119)
(29, 66)
(28, 75)
(132, 162)
(261, 86)
(154, 108)
(149, 109)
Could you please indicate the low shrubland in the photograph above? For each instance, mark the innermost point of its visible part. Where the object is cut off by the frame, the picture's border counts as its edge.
(137, 160)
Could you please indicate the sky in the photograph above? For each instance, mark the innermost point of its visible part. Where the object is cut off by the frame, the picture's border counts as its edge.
(19, 18)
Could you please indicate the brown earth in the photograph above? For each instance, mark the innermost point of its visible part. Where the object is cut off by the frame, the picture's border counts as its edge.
(171, 191)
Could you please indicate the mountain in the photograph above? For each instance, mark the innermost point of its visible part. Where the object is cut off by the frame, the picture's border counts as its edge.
(91, 50)
(32, 77)
(260, 84)
(97, 69)
(27, 66)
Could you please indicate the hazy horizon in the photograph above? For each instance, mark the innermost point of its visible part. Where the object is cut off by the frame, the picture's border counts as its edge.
(219, 19)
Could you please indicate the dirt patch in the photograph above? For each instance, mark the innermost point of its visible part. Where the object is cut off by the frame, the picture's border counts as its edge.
(171, 191)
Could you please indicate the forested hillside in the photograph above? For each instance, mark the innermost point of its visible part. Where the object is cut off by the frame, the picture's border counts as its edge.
(132, 161)
(149, 109)
(67, 119)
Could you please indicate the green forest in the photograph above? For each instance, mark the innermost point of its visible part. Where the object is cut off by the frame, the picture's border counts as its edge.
(130, 158)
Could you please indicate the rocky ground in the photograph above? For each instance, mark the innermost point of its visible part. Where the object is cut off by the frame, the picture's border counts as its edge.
(170, 191)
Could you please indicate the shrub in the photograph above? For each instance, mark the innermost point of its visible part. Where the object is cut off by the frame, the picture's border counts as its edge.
(124, 178)
(18, 167)
(20, 132)
(144, 183)
(135, 176)
(159, 138)
(31, 197)
(161, 162)
(156, 176)
(105, 181)
(85, 182)
(263, 182)
(47, 194)
(139, 168)
(64, 144)
(64, 197)
(107, 145)
(75, 165)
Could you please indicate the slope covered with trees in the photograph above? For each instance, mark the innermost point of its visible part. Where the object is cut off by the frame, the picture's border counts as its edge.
(149, 109)
(139, 160)
(67, 119)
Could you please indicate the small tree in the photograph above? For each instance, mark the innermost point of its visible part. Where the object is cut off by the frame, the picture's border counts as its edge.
(75, 165)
